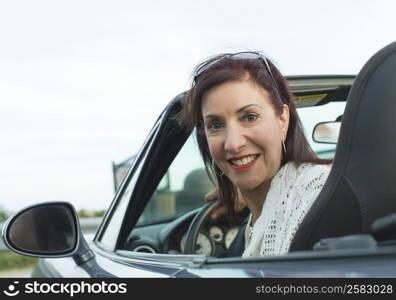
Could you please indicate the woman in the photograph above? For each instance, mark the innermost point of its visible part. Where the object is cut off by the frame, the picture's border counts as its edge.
(251, 139)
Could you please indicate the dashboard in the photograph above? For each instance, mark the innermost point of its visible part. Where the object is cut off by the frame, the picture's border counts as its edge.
(214, 239)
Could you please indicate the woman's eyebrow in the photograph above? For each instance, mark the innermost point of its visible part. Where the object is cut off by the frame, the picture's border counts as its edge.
(212, 116)
(246, 106)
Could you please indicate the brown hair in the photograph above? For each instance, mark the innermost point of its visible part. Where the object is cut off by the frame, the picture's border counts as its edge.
(224, 68)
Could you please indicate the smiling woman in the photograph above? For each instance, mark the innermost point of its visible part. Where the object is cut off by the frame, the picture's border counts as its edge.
(235, 113)
(251, 140)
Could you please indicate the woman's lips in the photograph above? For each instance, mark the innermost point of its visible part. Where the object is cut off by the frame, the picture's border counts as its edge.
(243, 162)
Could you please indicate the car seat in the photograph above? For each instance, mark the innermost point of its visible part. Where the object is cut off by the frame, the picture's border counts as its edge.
(361, 185)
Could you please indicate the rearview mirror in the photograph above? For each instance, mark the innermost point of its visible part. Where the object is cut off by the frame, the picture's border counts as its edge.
(326, 132)
(43, 230)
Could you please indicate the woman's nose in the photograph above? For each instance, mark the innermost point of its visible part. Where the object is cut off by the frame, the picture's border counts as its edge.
(234, 140)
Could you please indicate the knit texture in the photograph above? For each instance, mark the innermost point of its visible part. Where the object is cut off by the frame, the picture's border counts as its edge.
(290, 196)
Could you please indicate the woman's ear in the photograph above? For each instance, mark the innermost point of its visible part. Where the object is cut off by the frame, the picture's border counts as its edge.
(284, 122)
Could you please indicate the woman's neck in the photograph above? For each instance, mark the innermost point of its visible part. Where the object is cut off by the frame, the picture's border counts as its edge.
(255, 200)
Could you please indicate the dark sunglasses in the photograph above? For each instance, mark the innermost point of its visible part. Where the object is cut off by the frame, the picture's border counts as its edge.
(239, 55)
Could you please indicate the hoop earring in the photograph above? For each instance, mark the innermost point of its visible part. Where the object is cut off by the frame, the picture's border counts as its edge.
(284, 147)
(214, 169)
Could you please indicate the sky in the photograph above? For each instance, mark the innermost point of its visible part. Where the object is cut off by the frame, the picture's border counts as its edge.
(82, 82)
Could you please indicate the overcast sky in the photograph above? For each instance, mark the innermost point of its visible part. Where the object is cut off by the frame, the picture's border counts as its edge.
(81, 82)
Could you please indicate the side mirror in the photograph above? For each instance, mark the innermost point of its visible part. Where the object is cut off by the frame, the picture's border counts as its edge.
(47, 230)
(326, 132)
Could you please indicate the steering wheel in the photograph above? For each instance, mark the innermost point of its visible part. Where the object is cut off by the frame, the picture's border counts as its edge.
(193, 229)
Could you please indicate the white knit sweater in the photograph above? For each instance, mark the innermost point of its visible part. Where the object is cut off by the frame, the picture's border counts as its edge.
(290, 196)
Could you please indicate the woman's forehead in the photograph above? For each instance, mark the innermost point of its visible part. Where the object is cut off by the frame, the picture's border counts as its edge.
(234, 96)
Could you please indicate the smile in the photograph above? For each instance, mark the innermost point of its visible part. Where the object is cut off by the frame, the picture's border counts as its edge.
(243, 162)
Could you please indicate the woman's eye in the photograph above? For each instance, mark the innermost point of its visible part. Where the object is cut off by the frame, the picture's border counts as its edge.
(215, 125)
(250, 117)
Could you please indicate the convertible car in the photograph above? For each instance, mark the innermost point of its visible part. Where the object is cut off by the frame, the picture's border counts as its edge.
(158, 226)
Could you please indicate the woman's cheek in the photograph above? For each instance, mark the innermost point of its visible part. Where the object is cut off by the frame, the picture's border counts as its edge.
(214, 148)
(216, 151)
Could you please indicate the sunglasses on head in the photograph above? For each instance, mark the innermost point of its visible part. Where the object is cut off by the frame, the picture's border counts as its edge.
(239, 55)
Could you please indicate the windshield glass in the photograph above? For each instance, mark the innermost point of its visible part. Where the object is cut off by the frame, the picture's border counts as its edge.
(182, 189)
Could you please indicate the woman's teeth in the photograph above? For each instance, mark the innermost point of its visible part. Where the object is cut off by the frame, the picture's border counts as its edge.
(243, 161)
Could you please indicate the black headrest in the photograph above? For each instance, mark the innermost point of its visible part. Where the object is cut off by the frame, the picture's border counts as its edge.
(361, 186)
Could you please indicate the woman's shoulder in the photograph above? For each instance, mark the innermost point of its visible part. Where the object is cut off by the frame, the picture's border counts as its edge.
(311, 177)
(306, 176)
(308, 168)
(304, 169)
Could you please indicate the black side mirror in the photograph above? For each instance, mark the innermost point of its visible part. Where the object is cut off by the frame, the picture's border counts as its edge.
(47, 230)
(43, 230)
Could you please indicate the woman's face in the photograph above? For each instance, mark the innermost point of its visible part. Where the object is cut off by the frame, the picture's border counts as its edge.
(244, 133)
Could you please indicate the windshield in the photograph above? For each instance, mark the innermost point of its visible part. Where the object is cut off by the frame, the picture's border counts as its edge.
(182, 189)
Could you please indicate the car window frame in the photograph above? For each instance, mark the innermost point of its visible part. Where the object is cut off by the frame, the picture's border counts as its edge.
(147, 177)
